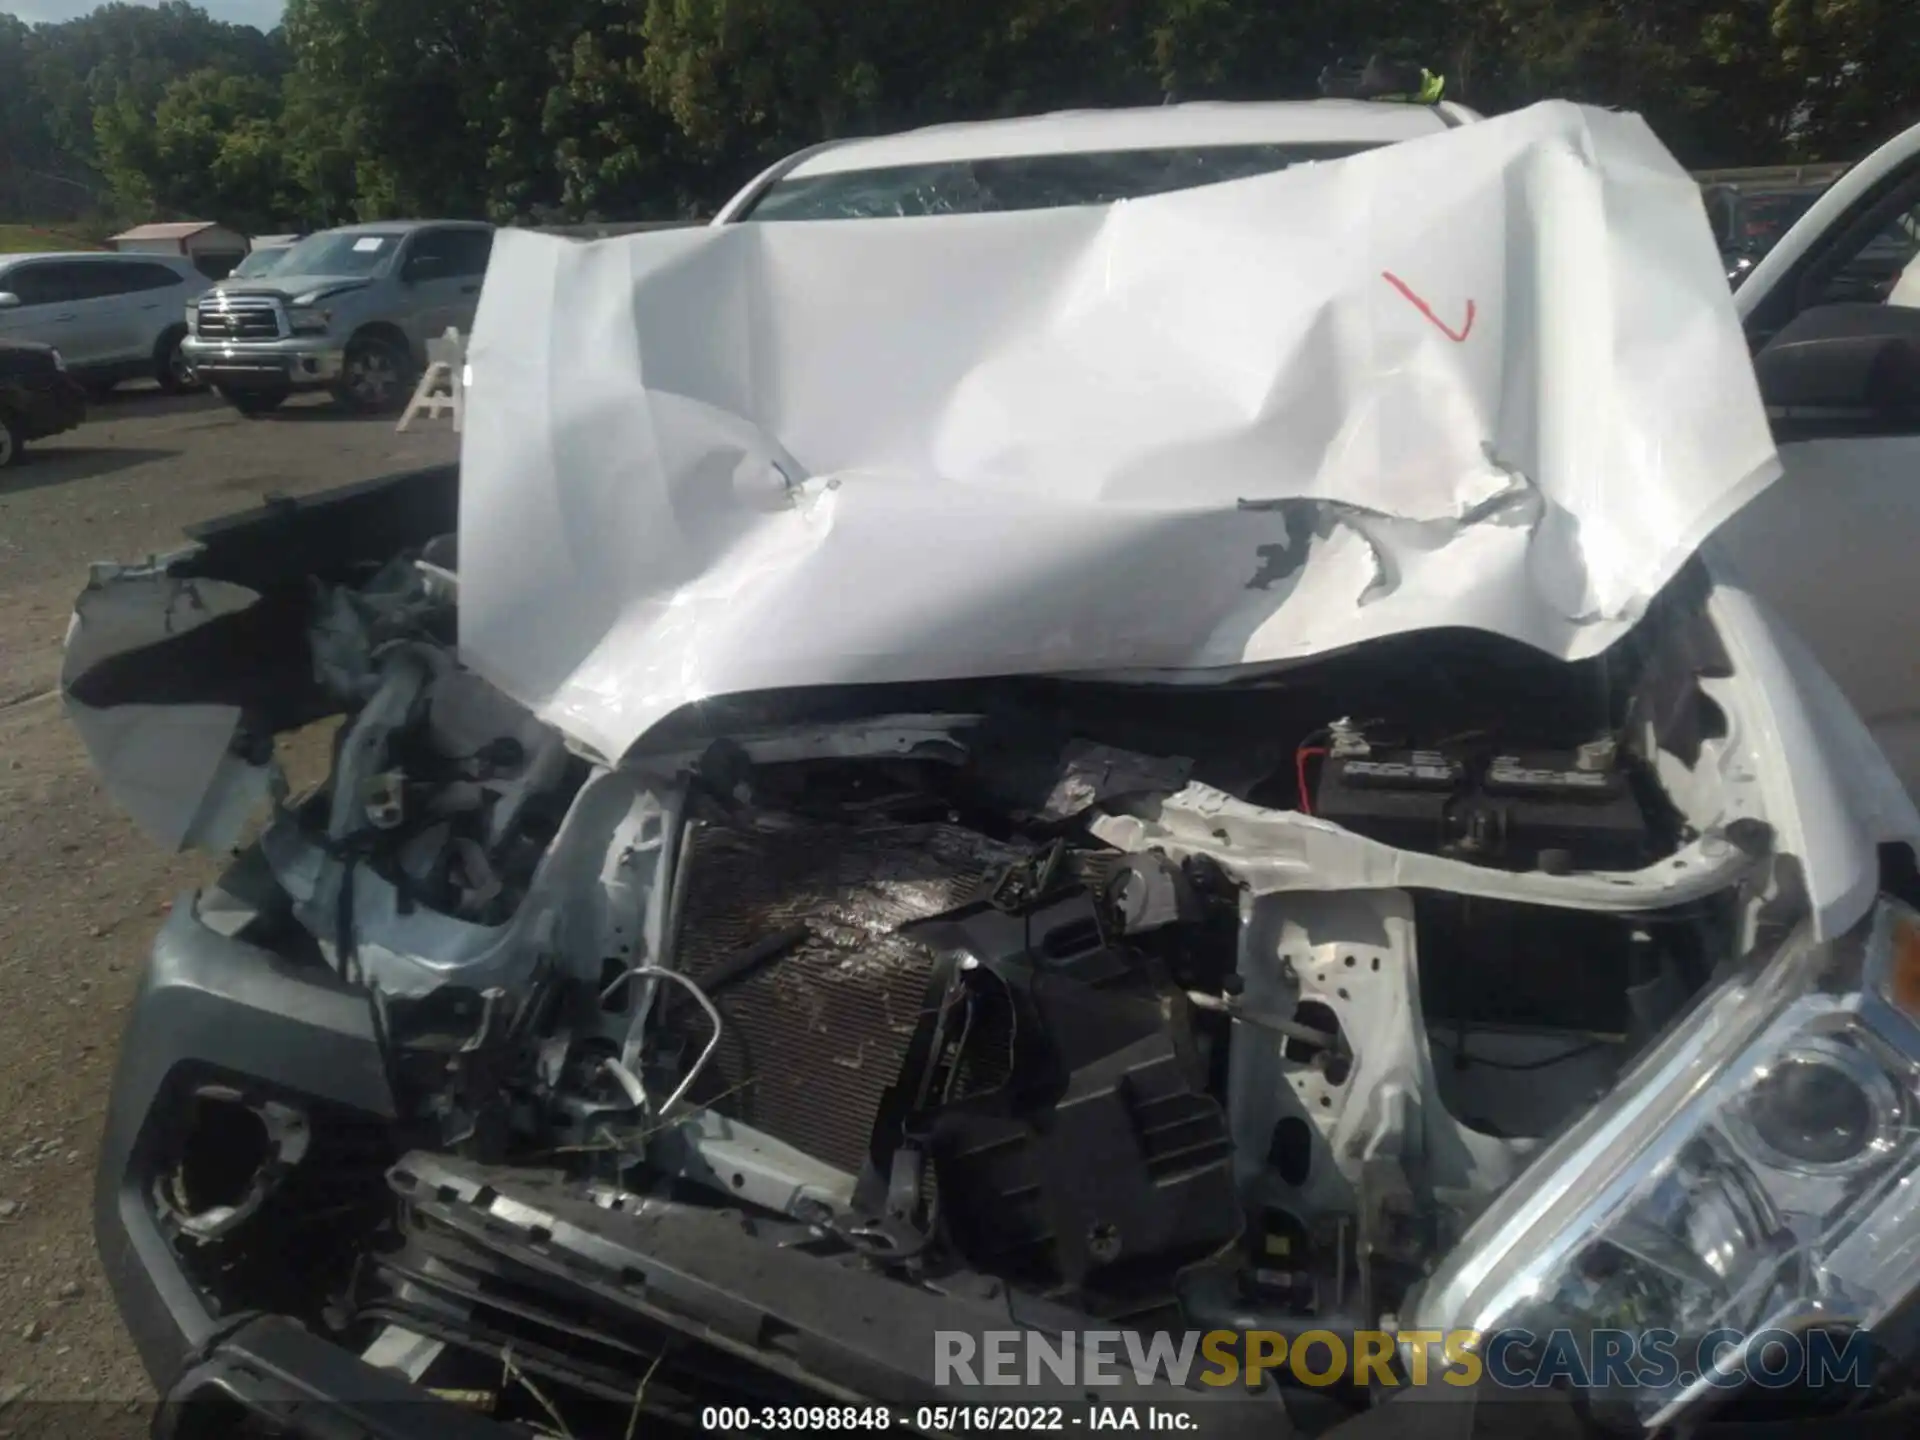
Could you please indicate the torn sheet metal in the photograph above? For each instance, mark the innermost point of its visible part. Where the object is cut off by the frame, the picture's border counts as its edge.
(1488, 378)
(1091, 774)
(1273, 852)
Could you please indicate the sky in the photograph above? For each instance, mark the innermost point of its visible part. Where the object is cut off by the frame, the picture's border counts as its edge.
(263, 13)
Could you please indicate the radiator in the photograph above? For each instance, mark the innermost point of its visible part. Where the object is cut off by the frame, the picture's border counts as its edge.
(816, 1036)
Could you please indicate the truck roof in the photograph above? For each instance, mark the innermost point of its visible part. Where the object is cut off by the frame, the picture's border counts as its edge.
(1147, 127)
(388, 227)
(12, 257)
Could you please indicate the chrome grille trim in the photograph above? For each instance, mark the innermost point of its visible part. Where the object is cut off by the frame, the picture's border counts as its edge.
(239, 317)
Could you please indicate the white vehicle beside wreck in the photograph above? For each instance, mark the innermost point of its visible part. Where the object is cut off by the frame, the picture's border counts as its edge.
(1012, 765)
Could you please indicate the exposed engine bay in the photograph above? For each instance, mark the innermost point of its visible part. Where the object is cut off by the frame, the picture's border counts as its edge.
(1099, 998)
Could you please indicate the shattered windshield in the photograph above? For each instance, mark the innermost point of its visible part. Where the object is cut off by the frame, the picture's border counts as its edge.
(1026, 182)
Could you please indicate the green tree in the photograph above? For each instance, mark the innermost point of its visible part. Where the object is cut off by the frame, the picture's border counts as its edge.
(1228, 49)
(30, 183)
(564, 109)
(212, 149)
(749, 80)
(1856, 69)
(133, 53)
(439, 102)
(512, 109)
(615, 154)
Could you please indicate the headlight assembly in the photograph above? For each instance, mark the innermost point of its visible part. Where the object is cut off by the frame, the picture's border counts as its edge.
(1756, 1171)
(308, 322)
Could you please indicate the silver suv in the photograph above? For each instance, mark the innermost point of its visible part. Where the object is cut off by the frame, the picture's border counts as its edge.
(347, 310)
(111, 317)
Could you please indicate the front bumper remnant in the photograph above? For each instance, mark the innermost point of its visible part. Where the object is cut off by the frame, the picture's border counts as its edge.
(720, 1292)
(211, 1006)
(298, 1385)
(295, 363)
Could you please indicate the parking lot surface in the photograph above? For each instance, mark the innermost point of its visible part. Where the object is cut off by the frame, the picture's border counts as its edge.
(80, 891)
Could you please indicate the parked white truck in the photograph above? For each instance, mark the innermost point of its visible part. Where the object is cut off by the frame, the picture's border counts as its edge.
(1197, 764)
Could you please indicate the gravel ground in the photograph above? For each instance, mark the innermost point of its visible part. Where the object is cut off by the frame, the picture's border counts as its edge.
(80, 892)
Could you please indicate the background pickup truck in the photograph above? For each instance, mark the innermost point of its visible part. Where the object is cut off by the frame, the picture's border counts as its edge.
(347, 310)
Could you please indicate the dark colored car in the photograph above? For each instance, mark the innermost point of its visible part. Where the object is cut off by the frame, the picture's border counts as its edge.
(37, 398)
(1749, 223)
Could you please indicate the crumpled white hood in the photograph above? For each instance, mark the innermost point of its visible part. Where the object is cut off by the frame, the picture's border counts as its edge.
(1492, 378)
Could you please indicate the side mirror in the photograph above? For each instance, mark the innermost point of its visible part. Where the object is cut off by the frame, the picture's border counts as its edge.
(9, 300)
(1844, 367)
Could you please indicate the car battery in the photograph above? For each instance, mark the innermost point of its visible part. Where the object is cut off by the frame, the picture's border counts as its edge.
(1403, 798)
(1517, 810)
(1554, 812)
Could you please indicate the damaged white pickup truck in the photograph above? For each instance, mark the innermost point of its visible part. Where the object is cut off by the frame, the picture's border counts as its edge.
(1172, 766)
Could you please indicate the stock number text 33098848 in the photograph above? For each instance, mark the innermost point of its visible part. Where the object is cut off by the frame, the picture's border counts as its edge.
(933, 1419)
(827, 1419)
